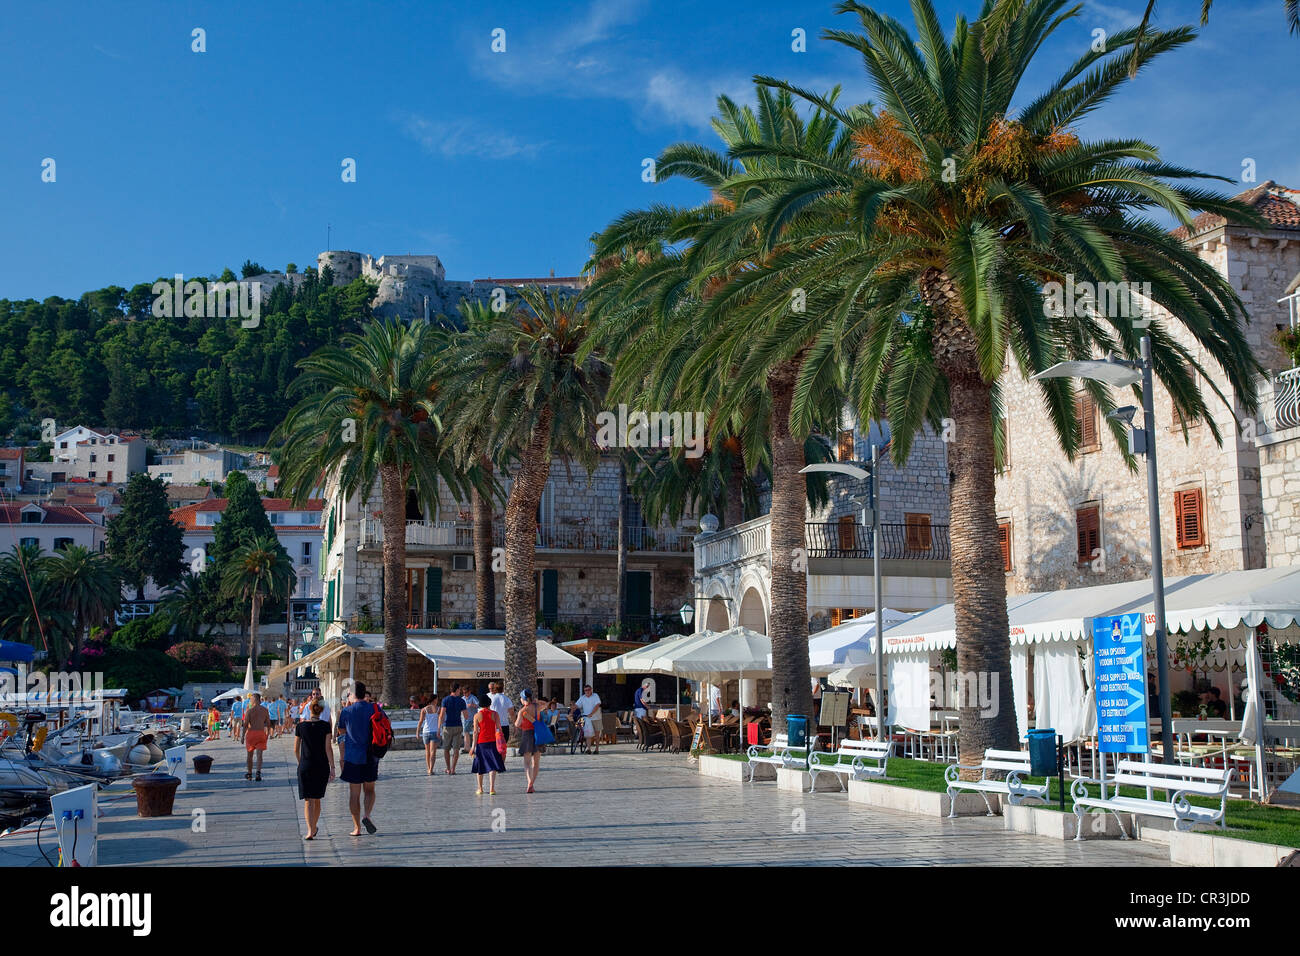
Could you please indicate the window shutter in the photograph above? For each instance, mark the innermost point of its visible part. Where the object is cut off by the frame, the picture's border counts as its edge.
(844, 451)
(917, 530)
(836, 618)
(1086, 411)
(433, 591)
(1004, 542)
(846, 529)
(1189, 518)
(551, 594)
(1088, 521)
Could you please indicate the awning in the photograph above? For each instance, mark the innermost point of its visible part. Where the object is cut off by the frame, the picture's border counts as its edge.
(848, 644)
(1222, 600)
(637, 661)
(330, 650)
(484, 657)
(738, 652)
(14, 651)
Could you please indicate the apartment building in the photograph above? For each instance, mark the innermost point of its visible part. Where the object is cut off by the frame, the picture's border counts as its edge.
(189, 466)
(104, 458)
(49, 527)
(1228, 506)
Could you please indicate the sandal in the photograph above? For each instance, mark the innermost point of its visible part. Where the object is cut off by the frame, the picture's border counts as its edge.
(248, 776)
(478, 793)
(492, 793)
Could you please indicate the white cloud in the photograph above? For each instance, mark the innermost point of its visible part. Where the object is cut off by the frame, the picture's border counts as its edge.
(459, 138)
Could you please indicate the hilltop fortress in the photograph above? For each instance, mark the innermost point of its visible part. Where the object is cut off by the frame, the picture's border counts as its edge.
(412, 286)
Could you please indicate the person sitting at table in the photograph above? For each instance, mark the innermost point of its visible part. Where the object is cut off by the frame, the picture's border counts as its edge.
(1215, 708)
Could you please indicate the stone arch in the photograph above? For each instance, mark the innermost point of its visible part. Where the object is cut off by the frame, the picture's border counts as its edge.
(753, 613)
(716, 617)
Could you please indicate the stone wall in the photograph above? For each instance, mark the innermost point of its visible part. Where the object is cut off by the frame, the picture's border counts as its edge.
(1040, 490)
(920, 486)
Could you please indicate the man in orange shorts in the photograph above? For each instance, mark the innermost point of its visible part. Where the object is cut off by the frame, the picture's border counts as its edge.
(257, 724)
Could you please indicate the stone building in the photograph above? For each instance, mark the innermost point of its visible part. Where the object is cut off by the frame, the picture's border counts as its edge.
(577, 537)
(1225, 506)
(734, 565)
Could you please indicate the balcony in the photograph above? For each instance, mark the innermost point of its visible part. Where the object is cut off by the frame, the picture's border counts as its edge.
(1279, 407)
(459, 536)
(751, 541)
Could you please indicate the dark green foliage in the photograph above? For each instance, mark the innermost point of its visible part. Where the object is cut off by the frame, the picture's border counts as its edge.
(141, 671)
(143, 540)
(105, 359)
(153, 632)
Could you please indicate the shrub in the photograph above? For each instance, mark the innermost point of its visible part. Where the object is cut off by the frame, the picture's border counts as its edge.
(207, 677)
(197, 655)
(141, 671)
(151, 632)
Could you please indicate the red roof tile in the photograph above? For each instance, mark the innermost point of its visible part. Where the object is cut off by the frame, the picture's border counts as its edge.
(54, 514)
(1277, 204)
(11, 454)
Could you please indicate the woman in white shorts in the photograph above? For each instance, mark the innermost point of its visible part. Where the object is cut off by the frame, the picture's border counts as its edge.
(430, 733)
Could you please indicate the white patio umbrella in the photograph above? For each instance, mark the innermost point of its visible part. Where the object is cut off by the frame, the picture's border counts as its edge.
(249, 684)
(640, 660)
(719, 656)
(848, 644)
(229, 695)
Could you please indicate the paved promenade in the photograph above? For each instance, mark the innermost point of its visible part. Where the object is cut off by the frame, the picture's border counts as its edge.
(620, 807)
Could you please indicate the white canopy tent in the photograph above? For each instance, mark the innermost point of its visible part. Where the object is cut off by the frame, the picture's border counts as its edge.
(640, 661)
(1060, 624)
(484, 657)
(716, 656)
(848, 644)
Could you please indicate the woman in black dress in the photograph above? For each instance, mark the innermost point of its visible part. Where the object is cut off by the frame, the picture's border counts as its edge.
(315, 763)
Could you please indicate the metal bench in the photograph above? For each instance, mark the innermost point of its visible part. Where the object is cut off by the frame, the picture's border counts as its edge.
(781, 754)
(1014, 763)
(1177, 782)
(855, 767)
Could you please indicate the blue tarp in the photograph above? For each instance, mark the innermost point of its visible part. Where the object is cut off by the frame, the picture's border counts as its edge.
(12, 651)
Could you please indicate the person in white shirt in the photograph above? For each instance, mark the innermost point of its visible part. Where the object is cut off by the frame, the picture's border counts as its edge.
(715, 701)
(305, 713)
(589, 705)
(504, 710)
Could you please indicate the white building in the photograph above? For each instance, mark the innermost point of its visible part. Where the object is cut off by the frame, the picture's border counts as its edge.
(50, 527)
(192, 465)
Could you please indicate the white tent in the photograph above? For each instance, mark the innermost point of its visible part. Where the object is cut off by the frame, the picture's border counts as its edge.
(848, 644)
(638, 661)
(718, 656)
(484, 657)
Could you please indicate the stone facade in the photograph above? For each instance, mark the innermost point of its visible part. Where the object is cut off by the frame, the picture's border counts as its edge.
(1245, 523)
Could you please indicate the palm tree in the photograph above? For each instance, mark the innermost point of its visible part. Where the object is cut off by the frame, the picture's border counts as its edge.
(259, 571)
(88, 587)
(936, 246)
(189, 603)
(30, 609)
(471, 444)
(1290, 8)
(539, 395)
(685, 316)
(368, 415)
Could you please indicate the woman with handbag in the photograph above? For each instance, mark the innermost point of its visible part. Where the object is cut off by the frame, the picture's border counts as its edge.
(533, 736)
(484, 748)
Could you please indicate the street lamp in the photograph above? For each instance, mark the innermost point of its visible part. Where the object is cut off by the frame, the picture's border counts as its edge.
(1142, 441)
(688, 614)
(871, 512)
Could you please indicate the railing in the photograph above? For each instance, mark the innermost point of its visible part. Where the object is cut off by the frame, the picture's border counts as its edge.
(1286, 399)
(459, 535)
(897, 541)
(825, 540)
(744, 541)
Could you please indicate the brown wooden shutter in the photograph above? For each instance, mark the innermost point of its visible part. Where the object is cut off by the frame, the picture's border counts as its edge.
(844, 452)
(1004, 541)
(1088, 521)
(835, 617)
(917, 532)
(846, 529)
(1085, 409)
(1189, 518)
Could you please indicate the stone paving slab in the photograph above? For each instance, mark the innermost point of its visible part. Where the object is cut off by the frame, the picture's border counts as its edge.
(620, 807)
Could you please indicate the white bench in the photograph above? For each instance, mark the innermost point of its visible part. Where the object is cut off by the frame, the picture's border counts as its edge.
(781, 754)
(1014, 763)
(855, 767)
(1177, 782)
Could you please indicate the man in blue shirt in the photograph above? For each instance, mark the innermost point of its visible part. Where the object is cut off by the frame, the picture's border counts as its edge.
(237, 719)
(451, 719)
(360, 770)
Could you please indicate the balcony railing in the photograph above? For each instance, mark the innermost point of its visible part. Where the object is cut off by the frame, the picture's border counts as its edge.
(897, 541)
(1286, 400)
(459, 536)
(751, 540)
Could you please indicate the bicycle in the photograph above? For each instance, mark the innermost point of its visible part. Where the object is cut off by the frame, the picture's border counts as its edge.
(578, 736)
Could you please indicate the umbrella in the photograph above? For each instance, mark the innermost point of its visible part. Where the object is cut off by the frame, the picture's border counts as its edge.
(249, 685)
(848, 644)
(718, 656)
(641, 660)
(230, 694)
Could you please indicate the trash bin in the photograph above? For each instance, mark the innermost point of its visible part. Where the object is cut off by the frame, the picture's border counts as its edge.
(1042, 752)
(155, 793)
(202, 764)
(796, 729)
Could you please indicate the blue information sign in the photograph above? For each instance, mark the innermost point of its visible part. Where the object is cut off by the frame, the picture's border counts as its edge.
(1119, 675)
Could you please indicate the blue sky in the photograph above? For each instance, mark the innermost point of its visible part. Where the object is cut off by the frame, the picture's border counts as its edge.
(501, 164)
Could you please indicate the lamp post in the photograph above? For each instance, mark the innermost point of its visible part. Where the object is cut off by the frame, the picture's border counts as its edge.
(1142, 441)
(872, 513)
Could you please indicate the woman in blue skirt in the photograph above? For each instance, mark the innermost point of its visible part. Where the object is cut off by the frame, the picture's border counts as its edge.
(487, 759)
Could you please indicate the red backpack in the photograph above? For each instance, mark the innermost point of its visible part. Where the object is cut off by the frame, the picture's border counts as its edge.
(381, 733)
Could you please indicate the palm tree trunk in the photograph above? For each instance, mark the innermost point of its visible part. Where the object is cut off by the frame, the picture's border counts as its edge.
(978, 584)
(392, 490)
(252, 626)
(791, 679)
(521, 543)
(485, 584)
(620, 588)
(735, 503)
